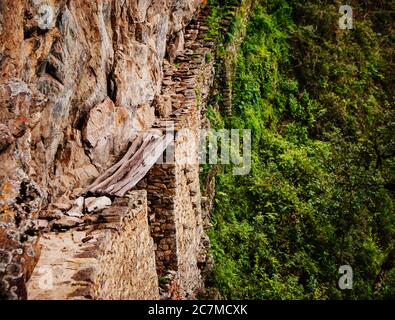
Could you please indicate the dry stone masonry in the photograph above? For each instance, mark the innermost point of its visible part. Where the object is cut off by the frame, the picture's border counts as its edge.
(108, 255)
(174, 188)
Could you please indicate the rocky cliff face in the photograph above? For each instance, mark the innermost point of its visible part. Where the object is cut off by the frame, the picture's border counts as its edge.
(78, 80)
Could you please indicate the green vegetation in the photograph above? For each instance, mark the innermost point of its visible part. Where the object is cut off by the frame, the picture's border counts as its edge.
(319, 101)
(219, 10)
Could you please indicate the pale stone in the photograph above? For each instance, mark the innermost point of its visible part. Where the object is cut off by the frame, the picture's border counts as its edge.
(75, 213)
(79, 203)
(77, 209)
(97, 204)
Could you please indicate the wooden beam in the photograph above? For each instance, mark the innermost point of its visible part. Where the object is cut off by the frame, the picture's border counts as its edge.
(143, 153)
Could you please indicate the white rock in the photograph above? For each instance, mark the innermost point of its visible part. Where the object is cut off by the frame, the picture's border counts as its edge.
(97, 204)
(77, 210)
(75, 213)
(79, 203)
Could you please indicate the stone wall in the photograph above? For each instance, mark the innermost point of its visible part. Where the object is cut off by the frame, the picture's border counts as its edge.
(127, 257)
(173, 187)
(112, 258)
(161, 193)
(174, 203)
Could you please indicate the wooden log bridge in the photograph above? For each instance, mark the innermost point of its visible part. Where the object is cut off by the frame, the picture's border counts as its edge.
(144, 152)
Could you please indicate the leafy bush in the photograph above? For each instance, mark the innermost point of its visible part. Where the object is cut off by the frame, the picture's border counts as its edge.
(319, 101)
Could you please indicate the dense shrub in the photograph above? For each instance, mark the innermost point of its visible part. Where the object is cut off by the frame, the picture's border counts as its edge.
(319, 101)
